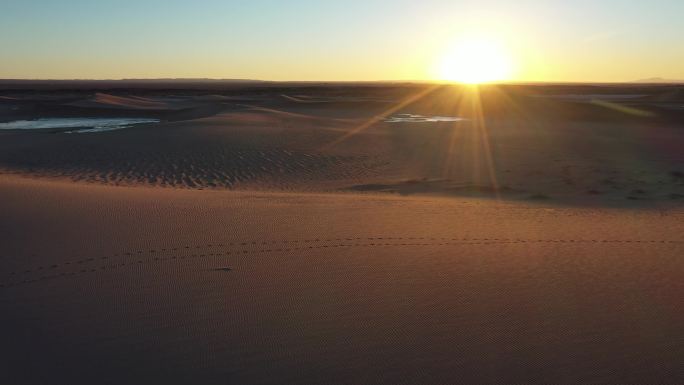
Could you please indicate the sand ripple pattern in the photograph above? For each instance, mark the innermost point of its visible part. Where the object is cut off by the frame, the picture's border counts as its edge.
(214, 167)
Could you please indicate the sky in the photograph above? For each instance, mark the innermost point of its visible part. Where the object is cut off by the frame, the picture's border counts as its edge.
(309, 40)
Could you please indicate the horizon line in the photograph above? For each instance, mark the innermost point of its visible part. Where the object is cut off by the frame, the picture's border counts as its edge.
(655, 80)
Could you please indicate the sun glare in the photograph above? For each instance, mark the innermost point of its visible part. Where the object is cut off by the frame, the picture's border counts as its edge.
(474, 61)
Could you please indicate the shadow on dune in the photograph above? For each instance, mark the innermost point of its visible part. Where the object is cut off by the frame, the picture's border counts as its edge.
(635, 198)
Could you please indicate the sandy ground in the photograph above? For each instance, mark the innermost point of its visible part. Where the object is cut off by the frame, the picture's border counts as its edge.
(129, 285)
(249, 238)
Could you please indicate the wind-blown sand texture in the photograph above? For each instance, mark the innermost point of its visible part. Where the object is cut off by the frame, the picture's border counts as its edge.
(289, 234)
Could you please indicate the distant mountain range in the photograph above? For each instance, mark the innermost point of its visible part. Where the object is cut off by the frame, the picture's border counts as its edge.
(660, 81)
(37, 84)
(159, 80)
(193, 80)
(170, 83)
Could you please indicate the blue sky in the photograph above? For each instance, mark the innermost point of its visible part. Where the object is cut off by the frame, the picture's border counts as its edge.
(605, 40)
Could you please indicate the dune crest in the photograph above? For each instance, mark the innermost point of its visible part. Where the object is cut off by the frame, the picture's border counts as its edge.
(102, 100)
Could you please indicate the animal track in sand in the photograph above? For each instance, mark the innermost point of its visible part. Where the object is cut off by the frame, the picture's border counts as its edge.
(286, 246)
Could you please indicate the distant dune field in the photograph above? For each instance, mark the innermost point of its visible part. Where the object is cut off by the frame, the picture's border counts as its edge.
(513, 143)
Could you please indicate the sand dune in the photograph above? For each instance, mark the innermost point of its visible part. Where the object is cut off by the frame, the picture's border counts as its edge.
(530, 151)
(101, 100)
(253, 238)
(216, 287)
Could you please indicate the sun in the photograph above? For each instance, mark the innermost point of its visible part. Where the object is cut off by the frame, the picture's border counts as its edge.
(475, 60)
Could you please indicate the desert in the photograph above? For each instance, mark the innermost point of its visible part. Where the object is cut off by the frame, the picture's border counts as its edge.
(275, 232)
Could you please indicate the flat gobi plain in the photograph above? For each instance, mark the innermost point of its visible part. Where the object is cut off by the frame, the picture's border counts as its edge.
(251, 233)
